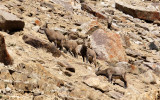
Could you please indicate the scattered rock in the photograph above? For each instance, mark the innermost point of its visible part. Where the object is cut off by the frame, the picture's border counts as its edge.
(132, 53)
(115, 95)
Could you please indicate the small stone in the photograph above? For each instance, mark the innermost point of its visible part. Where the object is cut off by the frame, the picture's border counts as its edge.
(67, 73)
(7, 89)
(150, 59)
(35, 28)
(153, 46)
(149, 78)
(71, 69)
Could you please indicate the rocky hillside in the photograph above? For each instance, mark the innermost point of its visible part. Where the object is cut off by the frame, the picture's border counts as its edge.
(122, 33)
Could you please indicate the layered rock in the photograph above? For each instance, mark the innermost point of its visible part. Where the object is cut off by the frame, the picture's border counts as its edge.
(136, 12)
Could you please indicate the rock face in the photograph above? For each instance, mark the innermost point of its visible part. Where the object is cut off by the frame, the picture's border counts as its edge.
(108, 46)
(138, 13)
(10, 22)
(4, 55)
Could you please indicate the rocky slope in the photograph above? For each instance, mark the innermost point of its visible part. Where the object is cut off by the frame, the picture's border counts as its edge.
(42, 72)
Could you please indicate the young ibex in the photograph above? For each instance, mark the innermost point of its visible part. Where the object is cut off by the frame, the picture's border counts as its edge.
(88, 53)
(91, 56)
(54, 36)
(70, 45)
(78, 50)
(114, 73)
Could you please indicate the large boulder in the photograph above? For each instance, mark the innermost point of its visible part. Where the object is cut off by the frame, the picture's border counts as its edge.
(108, 46)
(10, 22)
(138, 12)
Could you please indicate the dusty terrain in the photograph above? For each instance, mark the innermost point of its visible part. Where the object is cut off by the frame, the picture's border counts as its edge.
(37, 75)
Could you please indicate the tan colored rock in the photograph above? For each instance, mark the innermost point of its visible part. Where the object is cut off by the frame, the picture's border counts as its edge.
(5, 75)
(24, 86)
(133, 53)
(19, 76)
(96, 82)
(2, 85)
(67, 4)
(157, 70)
(151, 95)
(39, 97)
(115, 95)
(24, 68)
(46, 97)
(2, 7)
(149, 78)
(79, 93)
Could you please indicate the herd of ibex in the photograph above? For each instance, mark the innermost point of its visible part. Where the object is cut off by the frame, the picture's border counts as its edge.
(85, 50)
(71, 46)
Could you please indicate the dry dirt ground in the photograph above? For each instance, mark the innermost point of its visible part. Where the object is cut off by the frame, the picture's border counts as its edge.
(37, 75)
